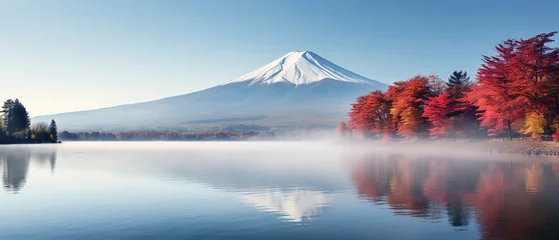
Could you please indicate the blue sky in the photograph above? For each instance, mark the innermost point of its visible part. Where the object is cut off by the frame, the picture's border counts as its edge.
(65, 55)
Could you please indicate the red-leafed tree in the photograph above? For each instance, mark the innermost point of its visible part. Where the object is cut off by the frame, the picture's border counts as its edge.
(358, 119)
(495, 95)
(371, 113)
(437, 112)
(380, 116)
(517, 86)
(536, 75)
(520, 84)
(408, 102)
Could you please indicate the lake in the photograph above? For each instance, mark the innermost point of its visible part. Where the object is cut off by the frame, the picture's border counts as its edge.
(271, 190)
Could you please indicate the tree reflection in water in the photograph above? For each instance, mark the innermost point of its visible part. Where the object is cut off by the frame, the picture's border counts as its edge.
(15, 165)
(509, 199)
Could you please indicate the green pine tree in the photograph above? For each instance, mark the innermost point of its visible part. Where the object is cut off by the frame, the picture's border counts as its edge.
(53, 130)
(458, 83)
(16, 117)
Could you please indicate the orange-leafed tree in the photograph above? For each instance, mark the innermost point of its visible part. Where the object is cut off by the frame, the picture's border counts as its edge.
(536, 79)
(408, 101)
(437, 112)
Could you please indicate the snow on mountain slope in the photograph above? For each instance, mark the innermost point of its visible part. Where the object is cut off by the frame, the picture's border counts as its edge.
(298, 88)
(303, 67)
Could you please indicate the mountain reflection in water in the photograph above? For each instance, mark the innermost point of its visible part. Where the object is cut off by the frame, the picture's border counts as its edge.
(295, 205)
(496, 197)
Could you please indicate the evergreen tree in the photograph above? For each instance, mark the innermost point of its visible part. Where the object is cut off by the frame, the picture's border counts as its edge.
(16, 117)
(8, 104)
(461, 112)
(458, 83)
(53, 130)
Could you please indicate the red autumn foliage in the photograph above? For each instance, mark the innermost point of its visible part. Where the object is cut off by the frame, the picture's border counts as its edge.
(495, 94)
(371, 113)
(436, 111)
(519, 86)
(358, 116)
(408, 102)
(535, 72)
(555, 137)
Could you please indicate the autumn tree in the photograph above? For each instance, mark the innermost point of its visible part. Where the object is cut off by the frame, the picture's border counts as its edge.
(495, 95)
(379, 113)
(535, 70)
(408, 102)
(519, 84)
(437, 112)
(357, 116)
(371, 113)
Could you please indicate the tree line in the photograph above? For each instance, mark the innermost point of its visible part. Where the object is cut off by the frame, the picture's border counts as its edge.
(516, 93)
(15, 126)
(163, 136)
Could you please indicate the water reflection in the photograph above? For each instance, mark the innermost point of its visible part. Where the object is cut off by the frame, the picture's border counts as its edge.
(511, 199)
(295, 205)
(45, 157)
(501, 198)
(15, 165)
(295, 192)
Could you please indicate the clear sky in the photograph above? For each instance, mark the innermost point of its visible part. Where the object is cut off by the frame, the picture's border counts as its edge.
(66, 55)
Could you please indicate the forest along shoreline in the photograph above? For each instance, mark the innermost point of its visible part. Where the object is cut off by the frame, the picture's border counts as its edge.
(16, 128)
(515, 96)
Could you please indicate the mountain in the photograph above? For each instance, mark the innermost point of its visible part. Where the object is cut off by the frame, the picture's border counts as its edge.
(298, 89)
(301, 68)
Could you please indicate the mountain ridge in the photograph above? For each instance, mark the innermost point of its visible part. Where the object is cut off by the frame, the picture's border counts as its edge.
(318, 92)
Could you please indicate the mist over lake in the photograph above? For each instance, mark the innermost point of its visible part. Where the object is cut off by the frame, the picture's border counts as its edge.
(271, 190)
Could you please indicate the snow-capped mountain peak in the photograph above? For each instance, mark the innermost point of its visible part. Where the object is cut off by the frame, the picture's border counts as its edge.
(303, 67)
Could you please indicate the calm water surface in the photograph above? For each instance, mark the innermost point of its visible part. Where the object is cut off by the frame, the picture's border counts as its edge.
(271, 190)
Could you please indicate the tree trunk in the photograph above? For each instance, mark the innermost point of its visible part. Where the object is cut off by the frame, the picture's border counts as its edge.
(510, 129)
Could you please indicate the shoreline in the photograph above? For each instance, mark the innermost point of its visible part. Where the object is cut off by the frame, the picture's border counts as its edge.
(518, 146)
(525, 147)
(27, 141)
